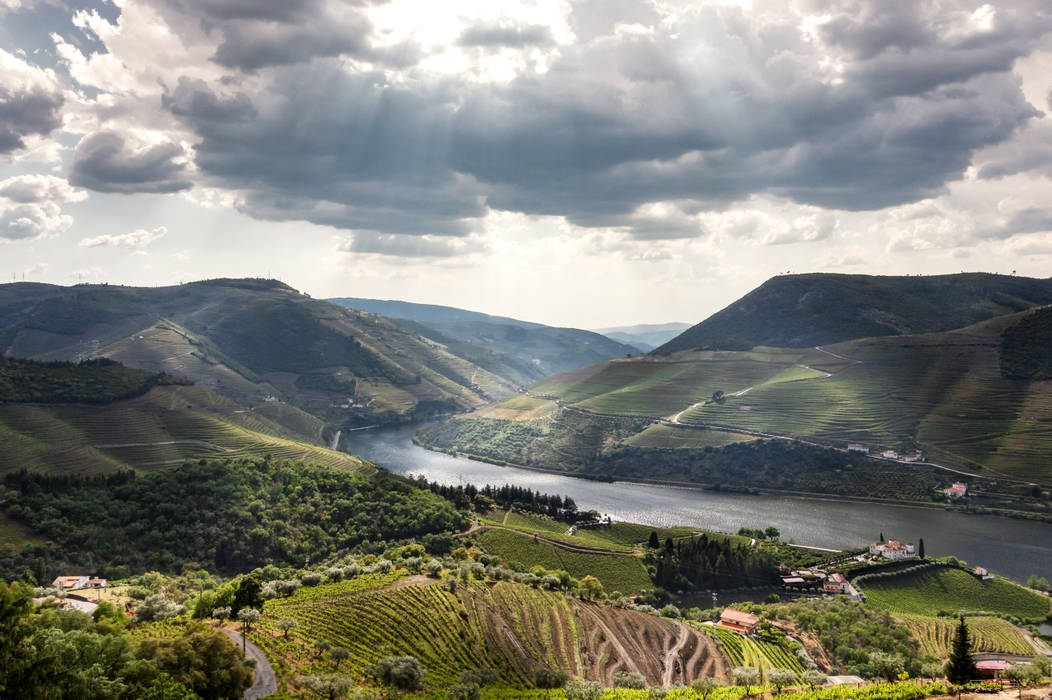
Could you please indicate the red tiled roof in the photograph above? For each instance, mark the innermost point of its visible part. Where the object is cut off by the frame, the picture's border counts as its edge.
(739, 618)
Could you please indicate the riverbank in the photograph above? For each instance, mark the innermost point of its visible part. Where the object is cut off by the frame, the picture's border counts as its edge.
(746, 491)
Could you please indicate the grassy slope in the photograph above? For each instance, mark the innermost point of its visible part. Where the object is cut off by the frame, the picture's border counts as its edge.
(950, 590)
(816, 309)
(988, 634)
(192, 421)
(615, 572)
(942, 392)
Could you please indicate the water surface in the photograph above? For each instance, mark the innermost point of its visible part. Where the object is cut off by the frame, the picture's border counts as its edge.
(1014, 548)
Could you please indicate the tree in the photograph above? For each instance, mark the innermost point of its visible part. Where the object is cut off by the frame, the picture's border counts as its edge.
(331, 686)
(781, 678)
(931, 670)
(287, 623)
(550, 678)
(961, 666)
(248, 617)
(22, 668)
(718, 396)
(653, 542)
(155, 608)
(584, 690)
(339, 654)
(1023, 674)
(590, 588)
(705, 687)
(321, 646)
(464, 691)
(881, 537)
(1038, 583)
(402, 672)
(771, 532)
(201, 659)
(745, 677)
(887, 666)
(813, 678)
(625, 679)
(920, 548)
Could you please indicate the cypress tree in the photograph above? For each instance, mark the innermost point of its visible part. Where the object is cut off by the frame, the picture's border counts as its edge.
(654, 542)
(961, 666)
(920, 548)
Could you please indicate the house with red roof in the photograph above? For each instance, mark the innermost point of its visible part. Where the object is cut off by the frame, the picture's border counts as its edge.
(738, 621)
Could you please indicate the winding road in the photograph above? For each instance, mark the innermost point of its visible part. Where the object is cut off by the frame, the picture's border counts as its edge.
(264, 683)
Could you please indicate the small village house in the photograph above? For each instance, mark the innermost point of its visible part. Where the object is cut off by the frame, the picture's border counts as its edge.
(958, 490)
(835, 583)
(69, 583)
(893, 549)
(738, 621)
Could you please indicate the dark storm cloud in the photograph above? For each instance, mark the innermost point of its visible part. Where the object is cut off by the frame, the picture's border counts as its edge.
(409, 246)
(710, 112)
(511, 36)
(104, 162)
(33, 110)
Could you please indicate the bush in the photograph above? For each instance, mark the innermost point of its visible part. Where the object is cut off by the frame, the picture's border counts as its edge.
(584, 690)
(624, 679)
(402, 672)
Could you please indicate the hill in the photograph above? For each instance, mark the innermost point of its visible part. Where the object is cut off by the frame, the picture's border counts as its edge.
(254, 341)
(703, 417)
(645, 336)
(520, 351)
(1026, 347)
(800, 311)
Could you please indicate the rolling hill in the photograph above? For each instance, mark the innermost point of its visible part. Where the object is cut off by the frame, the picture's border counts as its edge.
(517, 350)
(799, 311)
(254, 341)
(100, 417)
(670, 417)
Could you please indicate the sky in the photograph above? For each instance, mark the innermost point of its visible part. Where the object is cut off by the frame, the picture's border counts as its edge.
(590, 163)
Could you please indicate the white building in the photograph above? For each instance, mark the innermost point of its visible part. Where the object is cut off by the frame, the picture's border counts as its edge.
(893, 549)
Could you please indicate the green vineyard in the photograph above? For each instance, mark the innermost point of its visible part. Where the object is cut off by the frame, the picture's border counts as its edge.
(990, 634)
(756, 653)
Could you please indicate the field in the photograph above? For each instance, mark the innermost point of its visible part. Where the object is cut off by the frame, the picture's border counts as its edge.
(506, 626)
(931, 591)
(616, 571)
(935, 635)
(661, 436)
(746, 651)
(165, 426)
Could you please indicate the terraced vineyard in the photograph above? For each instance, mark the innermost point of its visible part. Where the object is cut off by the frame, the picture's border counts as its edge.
(165, 426)
(931, 591)
(506, 626)
(935, 634)
(616, 571)
(756, 653)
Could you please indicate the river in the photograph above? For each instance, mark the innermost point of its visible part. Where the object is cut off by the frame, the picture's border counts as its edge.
(1013, 548)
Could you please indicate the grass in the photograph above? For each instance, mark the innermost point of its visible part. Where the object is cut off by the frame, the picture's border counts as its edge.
(988, 634)
(662, 436)
(931, 591)
(616, 572)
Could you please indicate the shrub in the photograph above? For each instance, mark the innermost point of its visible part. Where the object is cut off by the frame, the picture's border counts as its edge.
(624, 679)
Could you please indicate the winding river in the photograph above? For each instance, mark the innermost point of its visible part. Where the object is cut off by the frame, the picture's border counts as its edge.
(1014, 548)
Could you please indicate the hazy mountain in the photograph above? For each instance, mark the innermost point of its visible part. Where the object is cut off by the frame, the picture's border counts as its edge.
(816, 309)
(518, 350)
(645, 336)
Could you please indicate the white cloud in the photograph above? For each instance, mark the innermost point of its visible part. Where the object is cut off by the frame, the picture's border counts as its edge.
(139, 239)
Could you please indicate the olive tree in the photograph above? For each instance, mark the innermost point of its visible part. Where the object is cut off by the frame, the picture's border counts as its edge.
(634, 681)
(402, 672)
(331, 686)
(813, 678)
(781, 677)
(706, 687)
(745, 677)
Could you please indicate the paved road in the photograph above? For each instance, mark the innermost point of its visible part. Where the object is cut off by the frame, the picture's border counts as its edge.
(265, 683)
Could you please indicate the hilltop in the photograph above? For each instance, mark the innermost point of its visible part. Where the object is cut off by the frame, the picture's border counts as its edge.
(800, 311)
(254, 341)
(645, 336)
(520, 351)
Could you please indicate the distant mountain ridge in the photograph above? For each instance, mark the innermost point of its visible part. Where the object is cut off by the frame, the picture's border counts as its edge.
(518, 350)
(797, 311)
(645, 336)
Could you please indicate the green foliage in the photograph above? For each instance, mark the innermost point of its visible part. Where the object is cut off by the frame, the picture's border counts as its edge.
(402, 672)
(988, 634)
(228, 515)
(961, 666)
(938, 590)
(547, 678)
(92, 381)
(704, 563)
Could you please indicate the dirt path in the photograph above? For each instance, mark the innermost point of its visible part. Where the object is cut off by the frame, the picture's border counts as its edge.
(264, 683)
(417, 580)
(611, 638)
(505, 521)
(672, 656)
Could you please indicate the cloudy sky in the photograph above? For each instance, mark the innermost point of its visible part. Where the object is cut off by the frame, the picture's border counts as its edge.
(586, 163)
